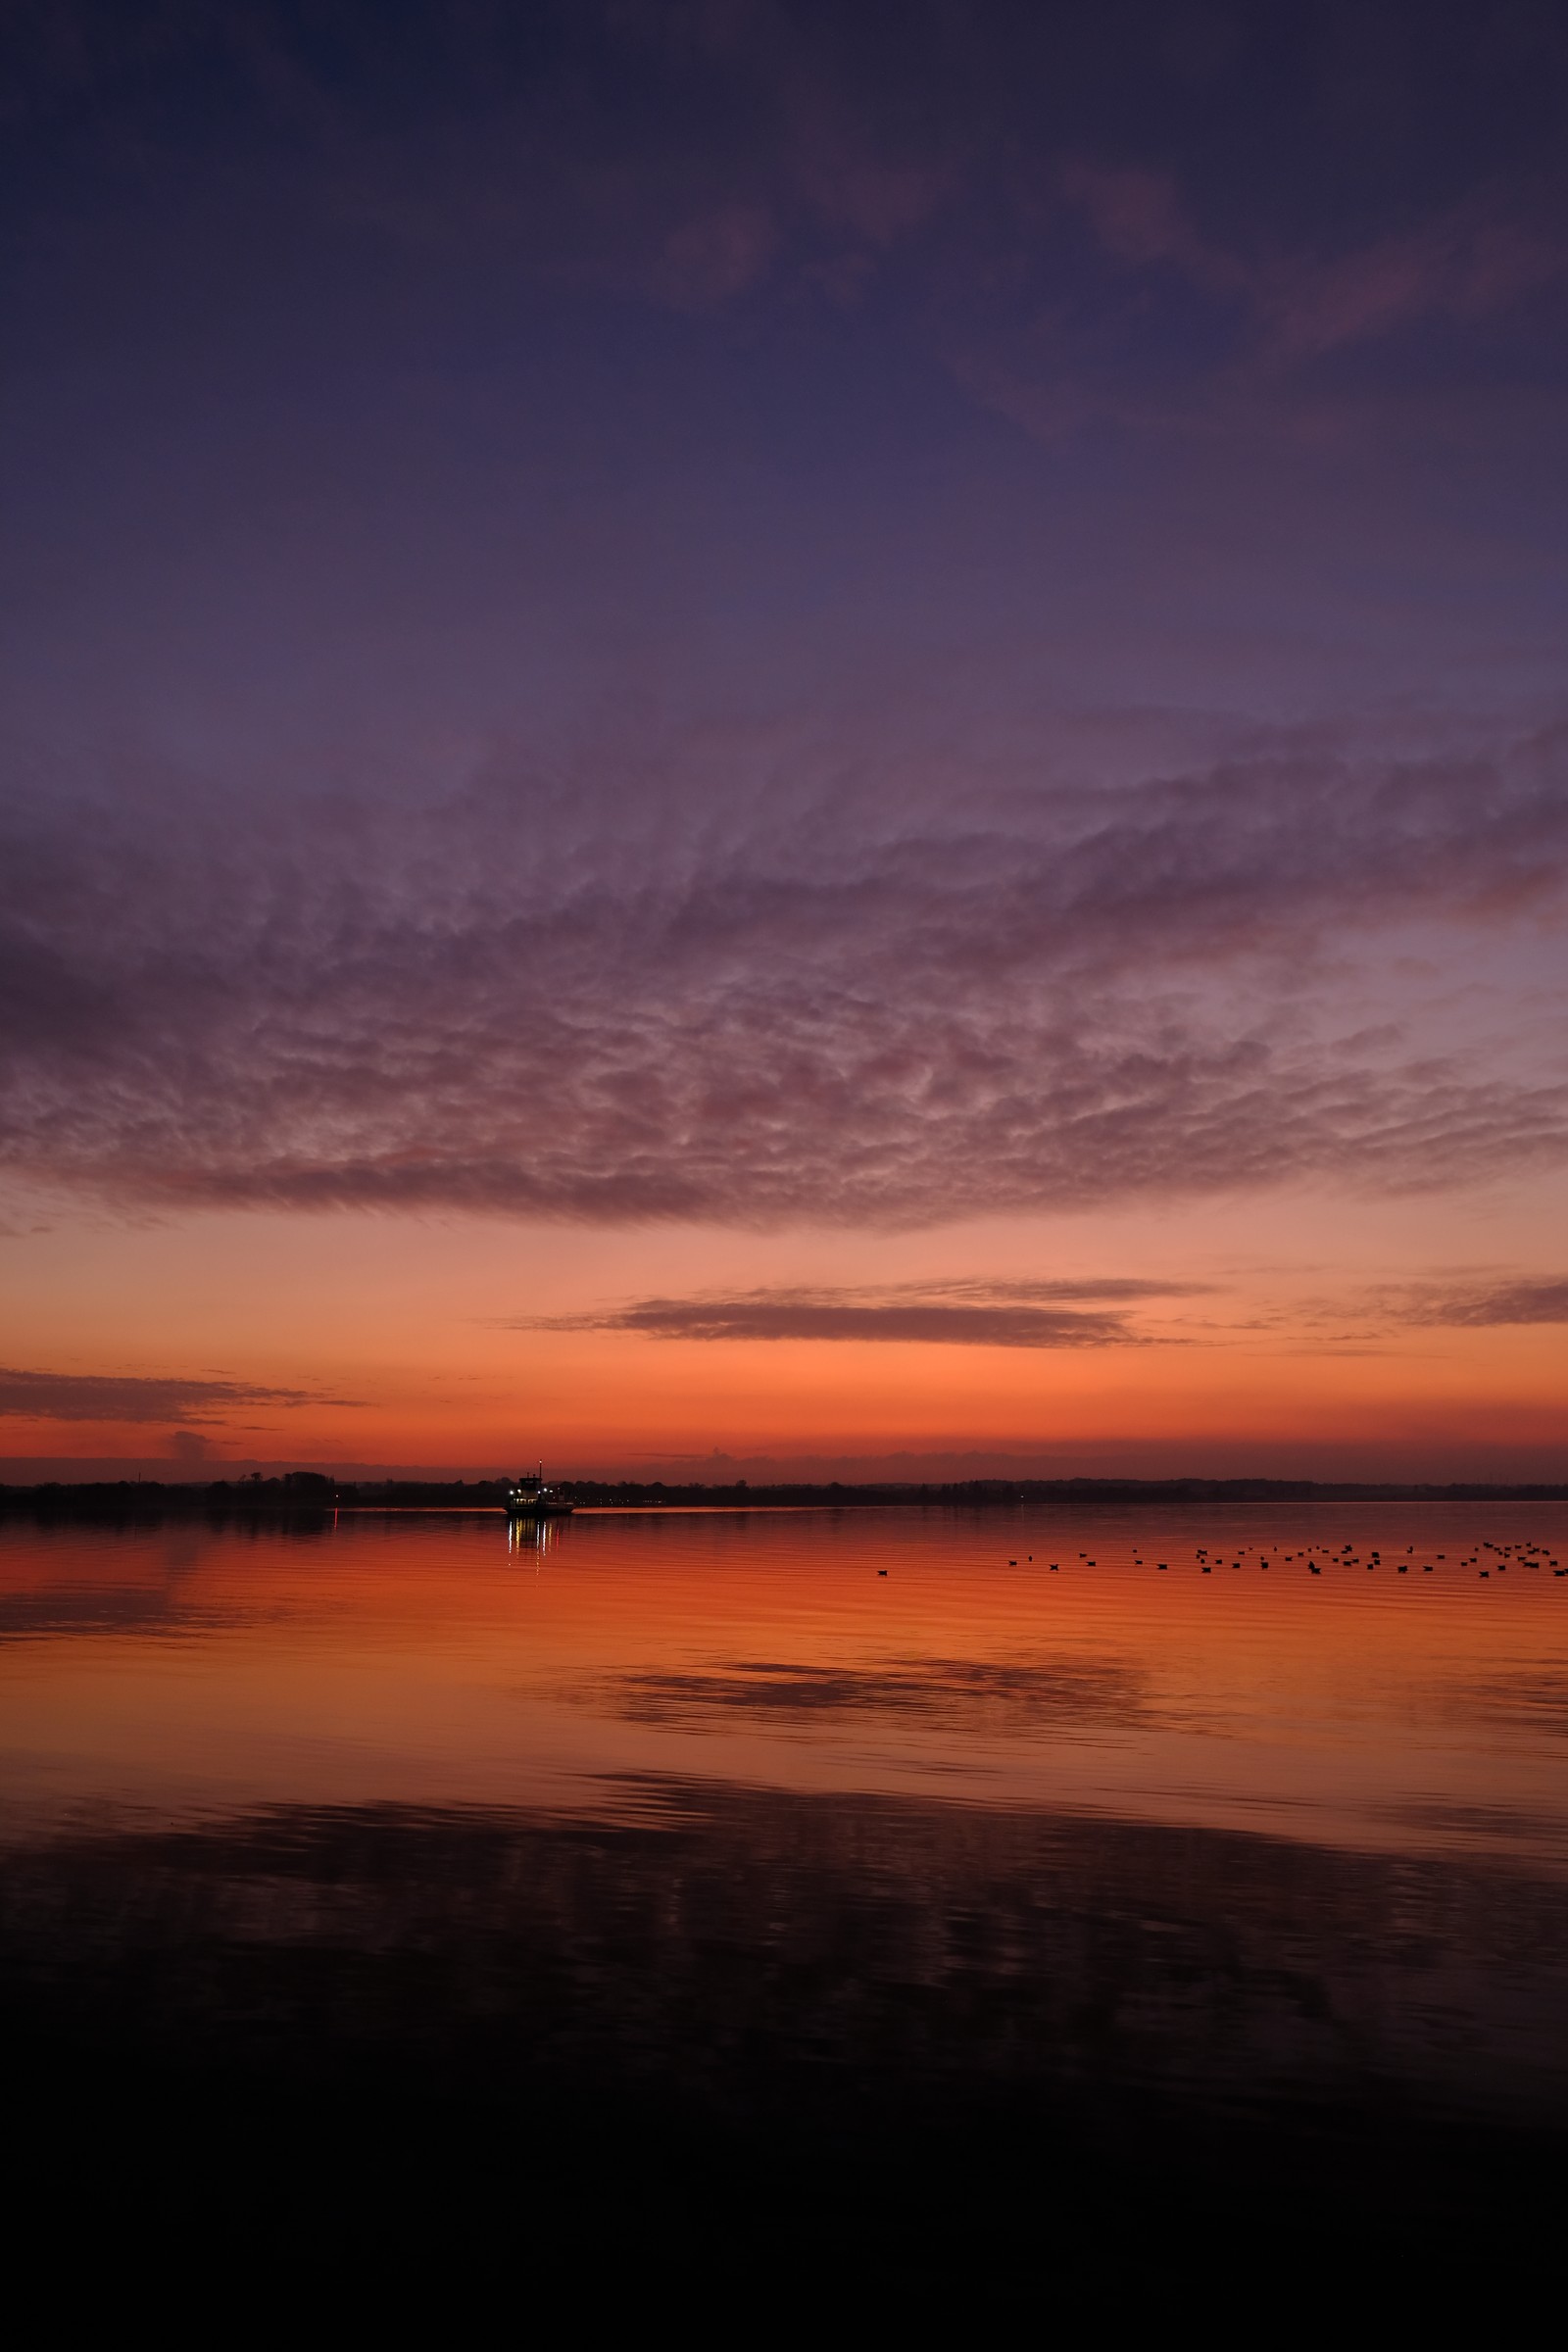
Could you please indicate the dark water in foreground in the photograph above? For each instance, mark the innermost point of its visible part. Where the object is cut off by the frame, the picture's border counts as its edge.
(685, 1890)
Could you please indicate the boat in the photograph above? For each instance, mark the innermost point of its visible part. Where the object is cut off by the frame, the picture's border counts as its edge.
(528, 1497)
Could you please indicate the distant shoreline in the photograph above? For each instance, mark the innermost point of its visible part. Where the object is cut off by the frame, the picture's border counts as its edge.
(312, 1494)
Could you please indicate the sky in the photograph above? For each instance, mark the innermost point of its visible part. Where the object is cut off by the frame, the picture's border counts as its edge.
(757, 737)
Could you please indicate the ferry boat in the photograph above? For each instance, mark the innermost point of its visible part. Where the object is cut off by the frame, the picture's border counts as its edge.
(528, 1497)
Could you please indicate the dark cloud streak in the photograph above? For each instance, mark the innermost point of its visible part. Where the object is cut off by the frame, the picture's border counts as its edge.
(956, 1314)
(135, 1398)
(1541, 1300)
(761, 1317)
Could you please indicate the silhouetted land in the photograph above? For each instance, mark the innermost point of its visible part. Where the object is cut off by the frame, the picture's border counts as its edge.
(312, 1492)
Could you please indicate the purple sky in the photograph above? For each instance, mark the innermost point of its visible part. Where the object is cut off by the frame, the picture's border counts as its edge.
(904, 614)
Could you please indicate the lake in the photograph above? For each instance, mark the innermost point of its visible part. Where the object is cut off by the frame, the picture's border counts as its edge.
(803, 1864)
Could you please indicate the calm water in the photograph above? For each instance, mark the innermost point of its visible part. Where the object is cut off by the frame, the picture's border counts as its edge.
(779, 1822)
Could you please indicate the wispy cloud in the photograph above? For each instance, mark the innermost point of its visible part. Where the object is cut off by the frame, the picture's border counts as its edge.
(1212, 323)
(1459, 266)
(136, 1397)
(1539, 1298)
(836, 1008)
(787, 1316)
(1460, 263)
(952, 1314)
(1139, 219)
(688, 157)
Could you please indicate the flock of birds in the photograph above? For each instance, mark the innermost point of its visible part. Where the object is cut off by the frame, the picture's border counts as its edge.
(1347, 1555)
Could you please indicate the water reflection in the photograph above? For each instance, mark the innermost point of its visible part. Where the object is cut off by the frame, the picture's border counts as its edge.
(911, 1941)
(961, 1694)
(533, 1536)
(814, 1817)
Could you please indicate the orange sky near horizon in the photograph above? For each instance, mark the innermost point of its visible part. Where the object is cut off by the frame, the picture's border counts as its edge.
(1293, 1350)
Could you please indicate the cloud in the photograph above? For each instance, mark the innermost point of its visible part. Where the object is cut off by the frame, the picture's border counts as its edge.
(1460, 263)
(1138, 217)
(815, 996)
(1534, 1299)
(685, 155)
(130, 1397)
(954, 1314)
(1216, 331)
(762, 1316)
(1459, 266)
(187, 1445)
(714, 257)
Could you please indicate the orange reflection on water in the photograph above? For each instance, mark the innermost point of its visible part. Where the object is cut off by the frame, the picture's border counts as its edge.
(442, 1660)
